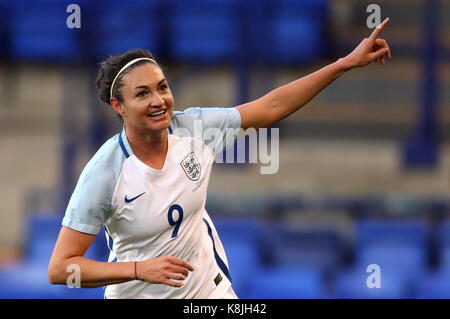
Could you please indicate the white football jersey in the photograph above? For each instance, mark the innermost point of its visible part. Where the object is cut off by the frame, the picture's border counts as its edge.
(149, 213)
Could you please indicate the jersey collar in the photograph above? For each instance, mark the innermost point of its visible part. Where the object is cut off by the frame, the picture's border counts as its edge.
(124, 145)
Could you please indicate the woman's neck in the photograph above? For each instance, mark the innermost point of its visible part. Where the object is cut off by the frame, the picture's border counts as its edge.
(150, 147)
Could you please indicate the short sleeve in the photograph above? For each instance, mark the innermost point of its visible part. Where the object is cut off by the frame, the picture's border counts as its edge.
(217, 127)
(90, 204)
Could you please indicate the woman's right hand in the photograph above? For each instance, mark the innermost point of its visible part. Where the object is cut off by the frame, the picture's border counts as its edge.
(161, 270)
(369, 50)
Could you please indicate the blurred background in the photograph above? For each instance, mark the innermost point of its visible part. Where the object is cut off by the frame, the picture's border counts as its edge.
(364, 167)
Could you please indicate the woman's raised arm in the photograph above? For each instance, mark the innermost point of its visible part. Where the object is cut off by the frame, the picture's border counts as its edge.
(289, 98)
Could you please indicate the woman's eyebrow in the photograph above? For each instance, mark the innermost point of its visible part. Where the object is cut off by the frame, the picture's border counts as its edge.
(146, 86)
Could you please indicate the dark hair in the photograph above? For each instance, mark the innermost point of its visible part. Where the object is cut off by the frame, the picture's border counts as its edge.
(111, 66)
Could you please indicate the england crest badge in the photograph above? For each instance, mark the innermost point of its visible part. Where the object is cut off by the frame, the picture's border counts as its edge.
(191, 167)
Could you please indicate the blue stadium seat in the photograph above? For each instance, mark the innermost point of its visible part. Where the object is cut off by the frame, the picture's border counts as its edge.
(444, 233)
(243, 260)
(319, 248)
(444, 257)
(286, 283)
(42, 232)
(295, 41)
(28, 280)
(297, 34)
(204, 30)
(392, 245)
(39, 31)
(238, 230)
(240, 238)
(386, 232)
(29, 276)
(435, 285)
(393, 258)
(352, 284)
(443, 243)
(118, 26)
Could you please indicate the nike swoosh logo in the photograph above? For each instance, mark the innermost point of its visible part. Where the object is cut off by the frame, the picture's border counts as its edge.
(132, 199)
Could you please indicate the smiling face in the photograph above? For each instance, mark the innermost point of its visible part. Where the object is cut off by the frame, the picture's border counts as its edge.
(147, 104)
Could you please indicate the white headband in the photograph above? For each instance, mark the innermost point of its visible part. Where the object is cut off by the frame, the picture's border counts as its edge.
(124, 67)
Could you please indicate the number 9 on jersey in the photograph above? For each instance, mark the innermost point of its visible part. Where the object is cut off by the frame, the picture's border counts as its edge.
(176, 223)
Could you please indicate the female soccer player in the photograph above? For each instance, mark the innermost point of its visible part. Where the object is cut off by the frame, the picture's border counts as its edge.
(147, 185)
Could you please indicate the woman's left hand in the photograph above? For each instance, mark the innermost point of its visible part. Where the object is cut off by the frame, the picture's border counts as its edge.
(370, 49)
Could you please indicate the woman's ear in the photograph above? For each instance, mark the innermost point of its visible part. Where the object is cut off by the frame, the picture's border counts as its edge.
(117, 106)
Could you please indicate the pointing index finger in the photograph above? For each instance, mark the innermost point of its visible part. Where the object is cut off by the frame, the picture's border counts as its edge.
(378, 29)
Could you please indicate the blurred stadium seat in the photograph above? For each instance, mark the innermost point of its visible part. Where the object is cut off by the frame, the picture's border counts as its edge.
(392, 245)
(434, 285)
(278, 32)
(391, 232)
(286, 283)
(392, 258)
(399, 248)
(444, 257)
(298, 30)
(117, 26)
(443, 243)
(319, 248)
(42, 232)
(28, 280)
(204, 31)
(241, 241)
(352, 284)
(39, 31)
